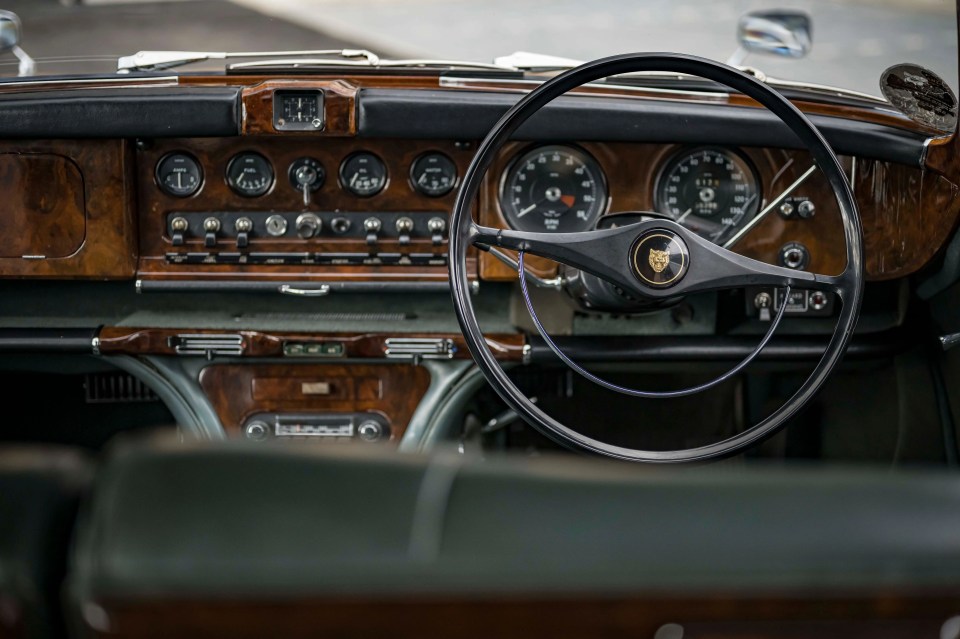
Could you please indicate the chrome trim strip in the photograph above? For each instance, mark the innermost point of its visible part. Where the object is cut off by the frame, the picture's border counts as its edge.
(121, 83)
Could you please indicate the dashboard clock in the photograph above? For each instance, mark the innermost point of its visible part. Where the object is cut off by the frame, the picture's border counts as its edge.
(298, 110)
(250, 174)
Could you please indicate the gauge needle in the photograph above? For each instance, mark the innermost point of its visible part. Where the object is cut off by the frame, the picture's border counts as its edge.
(528, 209)
(680, 219)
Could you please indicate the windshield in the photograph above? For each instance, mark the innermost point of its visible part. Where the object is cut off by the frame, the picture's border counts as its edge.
(853, 40)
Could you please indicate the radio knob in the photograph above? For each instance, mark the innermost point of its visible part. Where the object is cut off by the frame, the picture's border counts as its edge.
(257, 431)
(370, 431)
(308, 225)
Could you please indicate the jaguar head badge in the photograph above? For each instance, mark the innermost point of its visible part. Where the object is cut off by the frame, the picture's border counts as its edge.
(659, 260)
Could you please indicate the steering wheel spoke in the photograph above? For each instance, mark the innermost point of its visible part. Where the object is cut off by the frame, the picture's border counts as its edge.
(603, 253)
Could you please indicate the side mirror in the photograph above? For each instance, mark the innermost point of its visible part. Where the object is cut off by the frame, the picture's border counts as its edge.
(10, 41)
(782, 33)
(9, 31)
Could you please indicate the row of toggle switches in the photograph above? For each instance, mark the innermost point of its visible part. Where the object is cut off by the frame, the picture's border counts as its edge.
(240, 227)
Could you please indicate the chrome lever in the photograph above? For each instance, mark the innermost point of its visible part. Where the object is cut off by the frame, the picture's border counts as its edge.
(320, 291)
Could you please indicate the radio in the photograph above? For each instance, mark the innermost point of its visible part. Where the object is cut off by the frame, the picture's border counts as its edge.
(366, 427)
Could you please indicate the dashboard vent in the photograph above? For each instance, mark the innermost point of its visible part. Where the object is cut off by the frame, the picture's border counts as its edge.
(207, 345)
(419, 348)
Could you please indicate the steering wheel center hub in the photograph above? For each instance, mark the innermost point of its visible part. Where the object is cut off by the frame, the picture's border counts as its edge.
(660, 258)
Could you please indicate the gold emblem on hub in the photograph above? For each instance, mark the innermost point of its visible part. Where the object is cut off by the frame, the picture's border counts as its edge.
(659, 260)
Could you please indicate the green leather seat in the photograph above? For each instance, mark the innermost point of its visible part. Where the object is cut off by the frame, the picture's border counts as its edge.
(236, 519)
(40, 488)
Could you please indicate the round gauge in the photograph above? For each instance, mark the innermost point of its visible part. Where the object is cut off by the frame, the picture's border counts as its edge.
(363, 174)
(710, 191)
(250, 174)
(179, 174)
(433, 174)
(553, 189)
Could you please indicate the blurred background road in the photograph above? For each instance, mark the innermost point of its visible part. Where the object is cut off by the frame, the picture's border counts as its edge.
(854, 40)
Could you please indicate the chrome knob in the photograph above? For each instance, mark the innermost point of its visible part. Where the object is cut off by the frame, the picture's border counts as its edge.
(308, 225)
(211, 225)
(437, 225)
(340, 225)
(257, 431)
(372, 225)
(370, 431)
(806, 209)
(179, 224)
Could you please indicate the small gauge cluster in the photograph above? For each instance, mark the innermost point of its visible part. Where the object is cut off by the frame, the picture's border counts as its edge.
(251, 175)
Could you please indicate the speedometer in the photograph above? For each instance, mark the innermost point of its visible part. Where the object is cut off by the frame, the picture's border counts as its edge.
(711, 191)
(553, 189)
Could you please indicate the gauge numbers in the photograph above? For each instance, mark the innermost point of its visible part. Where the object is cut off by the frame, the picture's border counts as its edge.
(554, 189)
(363, 174)
(433, 174)
(250, 174)
(711, 191)
(179, 174)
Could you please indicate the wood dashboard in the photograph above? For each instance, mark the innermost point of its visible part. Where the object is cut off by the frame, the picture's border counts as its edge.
(92, 208)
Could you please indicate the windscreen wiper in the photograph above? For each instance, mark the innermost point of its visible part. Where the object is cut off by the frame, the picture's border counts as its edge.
(159, 60)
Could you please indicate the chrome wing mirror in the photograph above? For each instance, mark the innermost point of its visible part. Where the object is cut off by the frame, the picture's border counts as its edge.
(10, 31)
(782, 33)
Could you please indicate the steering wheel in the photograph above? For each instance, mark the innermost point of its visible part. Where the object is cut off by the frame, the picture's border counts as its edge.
(654, 259)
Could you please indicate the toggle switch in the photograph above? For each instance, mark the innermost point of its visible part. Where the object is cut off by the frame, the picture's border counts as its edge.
(210, 227)
(243, 226)
(404, 228)
(436, 226)
(371, 227)
(178, 226)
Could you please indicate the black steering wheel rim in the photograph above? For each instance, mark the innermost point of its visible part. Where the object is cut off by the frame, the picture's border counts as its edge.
(849, 288)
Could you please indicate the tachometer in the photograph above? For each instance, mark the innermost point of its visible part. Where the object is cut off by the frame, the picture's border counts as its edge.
(553, 189)
(711, 191)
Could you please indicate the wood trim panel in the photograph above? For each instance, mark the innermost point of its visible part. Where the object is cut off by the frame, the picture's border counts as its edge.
(239, 391)
(340, 106)
(107, 247)
(156, 341)
(826, 615)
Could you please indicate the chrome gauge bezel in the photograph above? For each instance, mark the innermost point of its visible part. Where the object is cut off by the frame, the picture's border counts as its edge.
(419, 188)
(344, 183)
(586, 156)
(159, 181)
(674, 159)
(233, 184)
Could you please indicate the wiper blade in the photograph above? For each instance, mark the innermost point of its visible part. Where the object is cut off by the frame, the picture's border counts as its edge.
(379, 64)
(159, 60)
